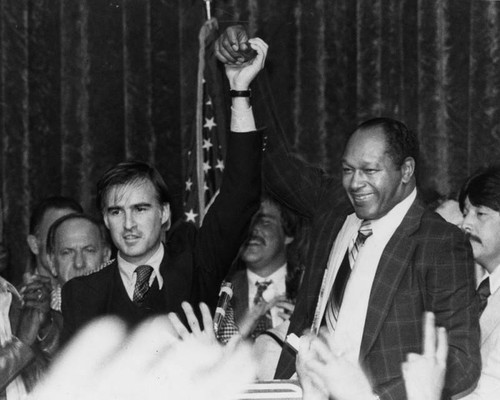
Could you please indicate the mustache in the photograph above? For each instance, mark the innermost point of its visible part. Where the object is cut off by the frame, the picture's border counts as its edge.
(474, 238)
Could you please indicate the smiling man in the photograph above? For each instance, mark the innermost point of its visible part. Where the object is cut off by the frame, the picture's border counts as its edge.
(264, 271)
(371, 274)
(150, 277)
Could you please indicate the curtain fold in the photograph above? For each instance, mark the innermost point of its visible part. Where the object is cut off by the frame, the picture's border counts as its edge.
(85, 84)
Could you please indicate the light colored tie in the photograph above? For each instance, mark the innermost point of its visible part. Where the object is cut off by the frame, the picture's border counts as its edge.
(337, 294)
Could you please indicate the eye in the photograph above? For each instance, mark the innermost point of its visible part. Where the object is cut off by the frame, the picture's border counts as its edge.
(90, 250)
(114, 211)
(370, 171)
(346, 170)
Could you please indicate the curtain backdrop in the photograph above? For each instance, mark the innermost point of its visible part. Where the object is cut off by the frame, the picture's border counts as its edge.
(87, 83)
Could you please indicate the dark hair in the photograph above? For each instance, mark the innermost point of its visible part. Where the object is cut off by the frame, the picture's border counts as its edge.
(51, 203)
(401, 142)
(482, 188)
(131, 172)
(51, 234)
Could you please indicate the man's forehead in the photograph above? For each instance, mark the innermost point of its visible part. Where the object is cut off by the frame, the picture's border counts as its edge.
(130, 193)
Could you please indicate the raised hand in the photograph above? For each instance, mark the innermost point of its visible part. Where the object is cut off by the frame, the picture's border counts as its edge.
(230, 45)
(424, 373)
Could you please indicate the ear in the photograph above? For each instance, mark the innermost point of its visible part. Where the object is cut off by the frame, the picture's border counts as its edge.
(33, 244)
(106, 254)
(165, 215)
(408, 169)
(288, 240)
(106, 221)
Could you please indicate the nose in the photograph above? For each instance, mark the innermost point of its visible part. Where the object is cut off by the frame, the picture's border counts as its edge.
(129, 222)
(356, 180)
(79, 263)
(467, 223)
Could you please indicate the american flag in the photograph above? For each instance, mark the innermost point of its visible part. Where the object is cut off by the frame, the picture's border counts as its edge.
(205, 157)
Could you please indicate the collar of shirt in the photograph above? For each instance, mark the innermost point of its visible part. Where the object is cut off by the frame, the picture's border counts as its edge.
(387, 225)
(278, 277)
(127, 270)
(494, 279)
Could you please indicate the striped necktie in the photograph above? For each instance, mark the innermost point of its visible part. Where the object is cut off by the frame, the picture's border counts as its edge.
(338, 289)
(142, 283)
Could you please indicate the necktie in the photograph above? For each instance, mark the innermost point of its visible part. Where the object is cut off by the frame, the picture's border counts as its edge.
(483, 292)
(142, 282)
(261, 288)
(335, 301)
(266, 321)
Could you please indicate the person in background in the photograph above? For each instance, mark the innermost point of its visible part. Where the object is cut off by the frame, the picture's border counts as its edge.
(265, 282)
(77, 244)
(29, 335)
(43, 216)
(480, 204)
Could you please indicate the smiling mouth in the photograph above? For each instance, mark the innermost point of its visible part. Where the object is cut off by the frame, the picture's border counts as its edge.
(361, 198)
(255, 241)
(131, 238)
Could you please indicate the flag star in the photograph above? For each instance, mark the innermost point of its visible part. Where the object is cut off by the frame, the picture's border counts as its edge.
(206, 167)
(220, 165)
(207, 143)
(189, 183)
(208, 102)
(209, 123)
(191, 216)
(205, 187)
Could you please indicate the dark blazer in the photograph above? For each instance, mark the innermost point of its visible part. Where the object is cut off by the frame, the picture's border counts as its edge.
(427, 265)
(195, 261)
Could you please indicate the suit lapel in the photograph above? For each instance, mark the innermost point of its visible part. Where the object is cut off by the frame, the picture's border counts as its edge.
(392, 266)
(319, 266)
(490, 319)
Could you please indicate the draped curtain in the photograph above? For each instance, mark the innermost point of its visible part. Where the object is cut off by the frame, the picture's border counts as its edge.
(87, 83)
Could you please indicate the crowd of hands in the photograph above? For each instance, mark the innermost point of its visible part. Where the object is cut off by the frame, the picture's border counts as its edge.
(163, 356)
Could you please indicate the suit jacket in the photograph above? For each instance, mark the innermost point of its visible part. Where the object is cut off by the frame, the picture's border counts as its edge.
(488, 387)
(427, 265)
(195, 261)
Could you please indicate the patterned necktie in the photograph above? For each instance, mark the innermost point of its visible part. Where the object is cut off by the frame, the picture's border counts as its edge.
(142, 282)
(338, 289)
(261, 288)
(483, 292)
(266, 321)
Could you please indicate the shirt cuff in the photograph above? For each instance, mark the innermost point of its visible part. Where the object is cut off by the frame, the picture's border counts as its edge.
(242, 120)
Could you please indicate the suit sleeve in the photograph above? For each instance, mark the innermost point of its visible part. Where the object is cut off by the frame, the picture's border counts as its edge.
(451, 296)
(226, 223)
(448, 278)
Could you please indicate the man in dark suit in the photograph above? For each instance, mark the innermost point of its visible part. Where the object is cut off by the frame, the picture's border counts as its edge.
(149, 277)
(371, 274)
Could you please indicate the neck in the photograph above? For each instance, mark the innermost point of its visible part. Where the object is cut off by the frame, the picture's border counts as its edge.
(265, 270)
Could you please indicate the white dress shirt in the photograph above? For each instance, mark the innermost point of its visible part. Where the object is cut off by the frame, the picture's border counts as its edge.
(129, 276)
(276, 288)
(352, 315)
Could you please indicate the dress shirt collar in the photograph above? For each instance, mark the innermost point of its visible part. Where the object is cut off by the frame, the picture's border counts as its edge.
(127, 269)
(277, 276)
(388, 224)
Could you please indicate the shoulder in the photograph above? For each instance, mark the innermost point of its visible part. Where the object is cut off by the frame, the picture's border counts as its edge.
(95, 280)
(180, 235)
